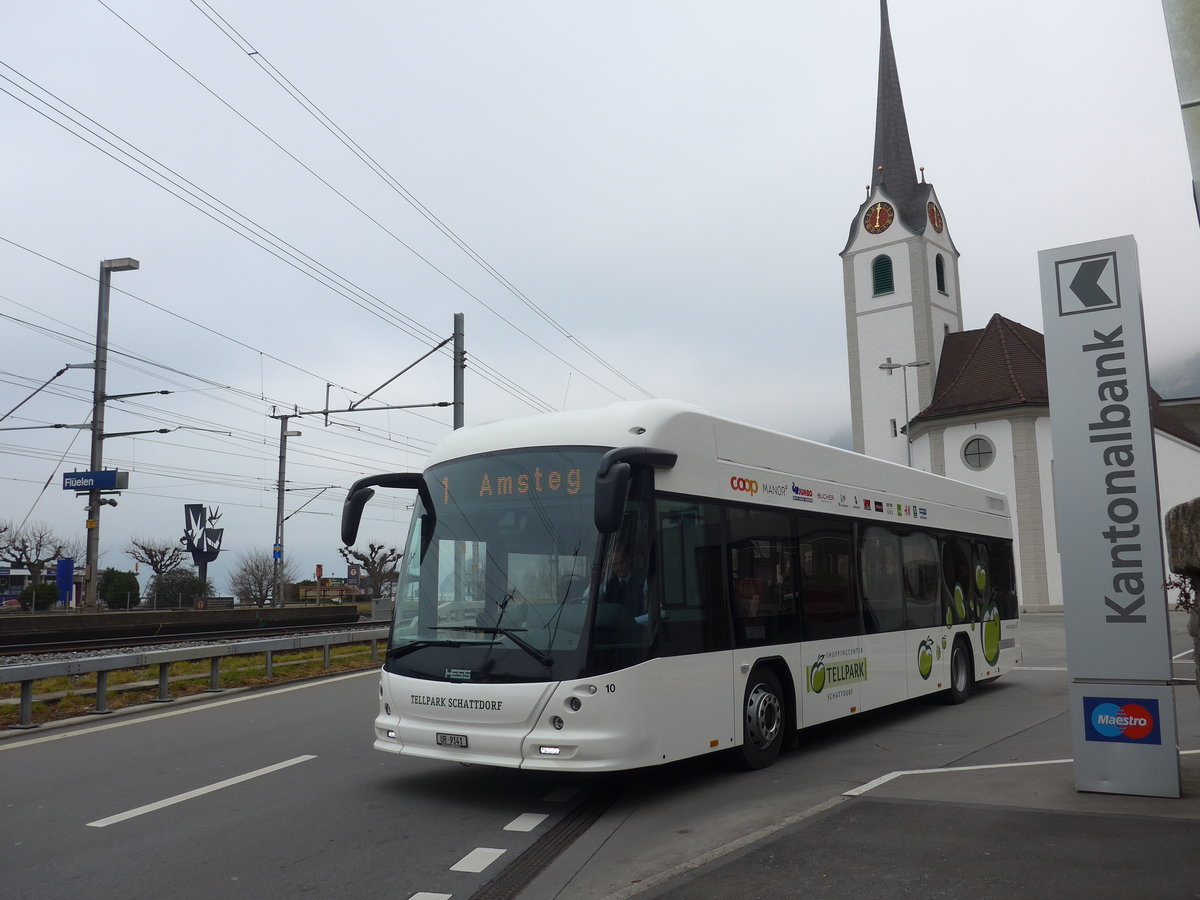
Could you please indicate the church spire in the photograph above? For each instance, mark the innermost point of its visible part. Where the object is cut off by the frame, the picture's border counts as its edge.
(893, 166)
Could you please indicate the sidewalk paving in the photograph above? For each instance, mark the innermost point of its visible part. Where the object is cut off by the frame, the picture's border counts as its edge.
(997, 831)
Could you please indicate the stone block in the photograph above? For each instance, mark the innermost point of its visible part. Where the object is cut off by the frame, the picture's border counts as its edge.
(1183, 538)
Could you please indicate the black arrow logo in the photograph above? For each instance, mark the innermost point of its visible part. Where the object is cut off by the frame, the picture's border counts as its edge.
(1084, 284)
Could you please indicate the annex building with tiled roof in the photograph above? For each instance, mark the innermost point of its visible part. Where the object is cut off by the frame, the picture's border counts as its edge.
(970, 404)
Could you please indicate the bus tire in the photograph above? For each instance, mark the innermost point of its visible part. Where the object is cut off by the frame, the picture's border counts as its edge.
(962, 672)
(763, 719)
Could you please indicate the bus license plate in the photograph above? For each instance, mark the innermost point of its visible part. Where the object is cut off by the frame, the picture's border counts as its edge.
(451, 740)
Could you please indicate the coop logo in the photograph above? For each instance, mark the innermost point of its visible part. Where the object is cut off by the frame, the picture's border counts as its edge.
(801, 495)
(745, 485)
(1121, 721)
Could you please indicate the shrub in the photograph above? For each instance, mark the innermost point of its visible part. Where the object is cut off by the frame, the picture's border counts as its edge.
(40, 596)
(120, 590)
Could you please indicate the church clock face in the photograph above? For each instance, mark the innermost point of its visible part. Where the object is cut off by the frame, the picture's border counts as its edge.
(879, 217)
(935, 218)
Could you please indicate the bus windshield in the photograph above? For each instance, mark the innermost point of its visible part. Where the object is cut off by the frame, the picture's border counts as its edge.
(495, 579)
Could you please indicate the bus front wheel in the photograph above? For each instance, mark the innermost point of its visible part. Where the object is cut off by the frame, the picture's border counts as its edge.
(762, 720)
(962, 673)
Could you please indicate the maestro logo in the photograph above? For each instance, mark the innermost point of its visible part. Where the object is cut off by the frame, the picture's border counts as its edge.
(746, 485)
(1122, 721)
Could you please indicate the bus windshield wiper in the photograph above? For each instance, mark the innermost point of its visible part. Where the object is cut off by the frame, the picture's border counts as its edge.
(397, 652)
(510, 633)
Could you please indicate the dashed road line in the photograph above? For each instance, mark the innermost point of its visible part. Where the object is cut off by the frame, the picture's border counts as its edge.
(526, 822)
(478, 859)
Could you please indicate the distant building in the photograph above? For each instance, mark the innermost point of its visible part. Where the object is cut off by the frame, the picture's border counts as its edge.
(972, 405)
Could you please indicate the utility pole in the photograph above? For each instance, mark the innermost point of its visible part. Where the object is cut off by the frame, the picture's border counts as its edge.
(91, 576)
(460, 364)
(277, 551)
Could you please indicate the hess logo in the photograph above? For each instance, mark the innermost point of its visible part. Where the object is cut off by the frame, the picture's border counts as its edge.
(746, 485)
(1130, 721)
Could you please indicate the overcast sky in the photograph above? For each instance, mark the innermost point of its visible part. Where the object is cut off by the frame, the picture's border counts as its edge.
(668, 183)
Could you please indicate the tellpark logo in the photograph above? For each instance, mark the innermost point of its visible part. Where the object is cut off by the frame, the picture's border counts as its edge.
(821, 675)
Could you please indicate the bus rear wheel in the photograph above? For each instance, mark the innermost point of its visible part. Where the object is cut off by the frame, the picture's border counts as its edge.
(762, 720)
(962, 672)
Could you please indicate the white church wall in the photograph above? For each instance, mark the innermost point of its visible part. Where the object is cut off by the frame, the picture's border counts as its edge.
(880, 335)
(1054, 584)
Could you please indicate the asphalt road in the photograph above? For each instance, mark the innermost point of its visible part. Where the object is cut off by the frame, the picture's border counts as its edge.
(278, 793)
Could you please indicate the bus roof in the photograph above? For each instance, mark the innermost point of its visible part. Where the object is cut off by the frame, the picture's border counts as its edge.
(706, 443)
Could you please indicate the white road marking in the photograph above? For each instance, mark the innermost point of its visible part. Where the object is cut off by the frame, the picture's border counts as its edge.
(526, 822)
(1184, 653)
(884, 779)
(560, 795)
(199, 792)
(1040, 669)
(426, 895)
(477, 860)
(198, 706)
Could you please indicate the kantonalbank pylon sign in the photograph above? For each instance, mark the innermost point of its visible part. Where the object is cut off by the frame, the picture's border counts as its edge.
(1109, 523)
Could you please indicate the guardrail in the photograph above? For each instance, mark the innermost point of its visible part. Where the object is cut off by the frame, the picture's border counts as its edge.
(27, 674)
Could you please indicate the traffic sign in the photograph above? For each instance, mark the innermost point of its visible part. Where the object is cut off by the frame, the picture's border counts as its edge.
(105, 480)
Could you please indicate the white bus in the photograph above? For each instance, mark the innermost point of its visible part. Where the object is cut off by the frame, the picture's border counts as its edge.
(773, 583)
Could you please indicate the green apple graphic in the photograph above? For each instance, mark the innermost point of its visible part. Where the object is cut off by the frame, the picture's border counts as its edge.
(925, 657)
(991, 635)
(980, 577)
(960, 603)
(816, 675)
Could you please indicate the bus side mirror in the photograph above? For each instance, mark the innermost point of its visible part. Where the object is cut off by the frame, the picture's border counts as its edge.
(352, 513)
(611, 490)
(360, 493)
(612, 481)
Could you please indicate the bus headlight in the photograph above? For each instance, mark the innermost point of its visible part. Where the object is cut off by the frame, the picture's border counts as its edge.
(575, 703)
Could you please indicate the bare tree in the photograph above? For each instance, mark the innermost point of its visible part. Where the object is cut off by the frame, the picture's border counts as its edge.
(380, 563)
(32, 547)
(253, 577)
(160, 555)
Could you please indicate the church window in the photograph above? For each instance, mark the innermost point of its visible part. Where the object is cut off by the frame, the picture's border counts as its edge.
(881, 275)
(978, 453)
(939, 268)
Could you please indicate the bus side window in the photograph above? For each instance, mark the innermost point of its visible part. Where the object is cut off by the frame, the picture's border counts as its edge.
(882, 580)
(692, 606)
(763, 576)
(921, 606)
(956, 578)
(826, 559)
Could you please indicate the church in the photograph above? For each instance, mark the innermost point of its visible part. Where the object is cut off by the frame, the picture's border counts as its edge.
(969, 404)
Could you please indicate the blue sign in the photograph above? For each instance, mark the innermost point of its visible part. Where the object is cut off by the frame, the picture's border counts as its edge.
(106, 480)
(64, 578)
(277, 552)
(1121, 720)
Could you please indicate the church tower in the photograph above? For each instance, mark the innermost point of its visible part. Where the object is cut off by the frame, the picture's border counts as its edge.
(900, 269)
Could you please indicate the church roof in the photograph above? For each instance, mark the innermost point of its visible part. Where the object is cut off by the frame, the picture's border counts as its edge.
(893, 165)
(1003, 366)
(999, 366)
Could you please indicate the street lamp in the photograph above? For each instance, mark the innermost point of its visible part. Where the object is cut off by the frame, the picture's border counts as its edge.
(890, 367)
(107, 267)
